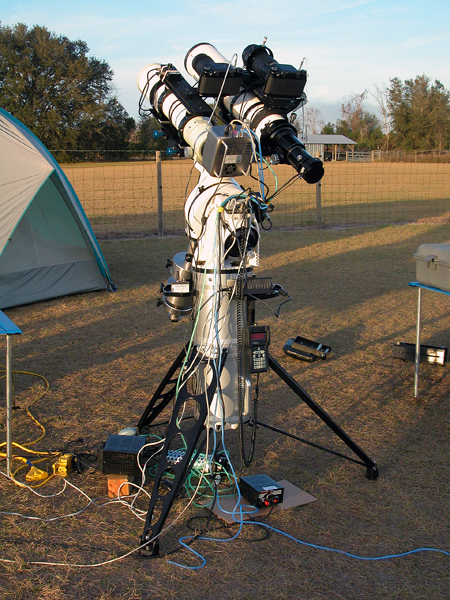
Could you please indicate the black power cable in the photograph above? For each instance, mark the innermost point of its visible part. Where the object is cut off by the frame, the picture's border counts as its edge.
(240, 283)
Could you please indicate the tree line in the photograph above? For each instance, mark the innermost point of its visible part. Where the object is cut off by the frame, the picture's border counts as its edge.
(415, 116)
(66, 98)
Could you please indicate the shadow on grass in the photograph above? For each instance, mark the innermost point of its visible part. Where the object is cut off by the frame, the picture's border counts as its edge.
(104, 354)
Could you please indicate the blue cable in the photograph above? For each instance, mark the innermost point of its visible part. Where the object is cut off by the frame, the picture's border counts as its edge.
(207, 539)
(356, 556)
(308, 544)
(171, 562)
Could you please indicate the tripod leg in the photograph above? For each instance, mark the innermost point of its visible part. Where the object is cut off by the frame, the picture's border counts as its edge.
(371, 465)
(175, 461)
(154, 407)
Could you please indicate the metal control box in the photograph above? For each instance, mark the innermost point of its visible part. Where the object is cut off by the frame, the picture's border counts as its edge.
(433, 265)
(261, 490)
(227, 152)
(119, 455)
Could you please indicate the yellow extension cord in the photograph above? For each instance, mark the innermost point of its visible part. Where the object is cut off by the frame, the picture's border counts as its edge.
(45, 454)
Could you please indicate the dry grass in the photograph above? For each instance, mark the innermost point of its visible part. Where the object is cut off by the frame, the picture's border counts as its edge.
(104, 355)
(121, 199)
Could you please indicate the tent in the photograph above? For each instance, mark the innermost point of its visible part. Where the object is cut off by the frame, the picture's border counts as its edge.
(47, 246)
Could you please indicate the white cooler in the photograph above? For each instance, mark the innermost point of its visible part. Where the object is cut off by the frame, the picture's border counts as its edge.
(433, 265)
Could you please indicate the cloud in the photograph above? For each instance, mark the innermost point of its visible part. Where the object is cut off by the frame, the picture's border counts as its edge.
(345, 6)
(112, 37)
(421, 40)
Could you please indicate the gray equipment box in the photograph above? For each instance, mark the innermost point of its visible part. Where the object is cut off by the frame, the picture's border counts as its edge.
(433, 265)
(227, 152)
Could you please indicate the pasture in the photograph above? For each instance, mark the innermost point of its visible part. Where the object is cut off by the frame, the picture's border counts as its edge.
(120, 199)
(105, 353)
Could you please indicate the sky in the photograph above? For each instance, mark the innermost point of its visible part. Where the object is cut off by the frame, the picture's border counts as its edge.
(349, 45)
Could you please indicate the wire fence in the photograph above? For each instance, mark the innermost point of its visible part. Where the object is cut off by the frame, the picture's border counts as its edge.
(121, 199)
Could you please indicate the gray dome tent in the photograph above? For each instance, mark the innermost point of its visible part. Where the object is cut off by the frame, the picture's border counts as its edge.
(47, 246)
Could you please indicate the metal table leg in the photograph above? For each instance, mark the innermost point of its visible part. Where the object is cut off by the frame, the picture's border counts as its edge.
(9, 404)
(417, 357)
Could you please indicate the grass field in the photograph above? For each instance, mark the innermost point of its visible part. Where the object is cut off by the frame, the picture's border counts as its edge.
(104, 354)
(121, 199)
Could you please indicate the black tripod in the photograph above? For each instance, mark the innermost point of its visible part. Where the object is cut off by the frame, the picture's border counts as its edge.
(189, 431)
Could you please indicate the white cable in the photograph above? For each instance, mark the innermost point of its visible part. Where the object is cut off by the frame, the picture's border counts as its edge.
(222, 86)
(33, 490)
(92, 501)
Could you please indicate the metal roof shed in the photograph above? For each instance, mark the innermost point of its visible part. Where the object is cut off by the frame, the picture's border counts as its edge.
(316, 144)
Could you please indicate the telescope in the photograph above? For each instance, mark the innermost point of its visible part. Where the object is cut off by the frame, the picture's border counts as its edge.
(262, 95)
(214, 282)
(208, 281)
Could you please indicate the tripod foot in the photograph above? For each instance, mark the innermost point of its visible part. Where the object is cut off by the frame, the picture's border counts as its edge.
(151, 550)
(372, 472)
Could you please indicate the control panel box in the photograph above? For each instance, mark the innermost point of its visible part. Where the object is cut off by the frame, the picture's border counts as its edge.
(261, 490)
(227, 152)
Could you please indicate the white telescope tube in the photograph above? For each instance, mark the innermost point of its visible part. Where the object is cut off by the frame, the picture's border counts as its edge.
(194, 130)
(246, 105)
(197, 53)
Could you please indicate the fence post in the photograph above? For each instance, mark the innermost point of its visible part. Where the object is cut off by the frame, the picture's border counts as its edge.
(319, 204)
(160, 194)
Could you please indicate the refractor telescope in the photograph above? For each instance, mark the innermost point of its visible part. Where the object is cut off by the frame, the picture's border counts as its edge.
(261, 95)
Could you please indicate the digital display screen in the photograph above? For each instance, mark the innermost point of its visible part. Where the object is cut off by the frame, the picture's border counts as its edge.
(257, 336)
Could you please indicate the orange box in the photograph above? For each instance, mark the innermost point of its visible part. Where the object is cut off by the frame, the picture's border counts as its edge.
(114, 483)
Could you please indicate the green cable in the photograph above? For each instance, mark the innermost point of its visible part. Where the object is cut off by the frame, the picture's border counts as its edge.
(276, 178)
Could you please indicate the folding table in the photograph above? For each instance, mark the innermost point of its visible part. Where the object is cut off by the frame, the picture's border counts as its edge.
(8, 328)
(420, 287)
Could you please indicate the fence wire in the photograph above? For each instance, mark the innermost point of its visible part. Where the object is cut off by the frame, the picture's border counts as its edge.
(120, 199)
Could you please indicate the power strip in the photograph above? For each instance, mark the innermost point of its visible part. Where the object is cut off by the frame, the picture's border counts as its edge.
(175, 456)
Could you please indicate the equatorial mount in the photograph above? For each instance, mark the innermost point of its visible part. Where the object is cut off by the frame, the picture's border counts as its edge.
(214, 282)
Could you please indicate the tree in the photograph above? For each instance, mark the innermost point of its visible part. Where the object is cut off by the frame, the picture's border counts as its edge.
(314, 121)
(382, 99)
(329, 128)
(358, 124)
(440, 116)
(420, 113)
(110, 130)
(63, 96)
(144, 140)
